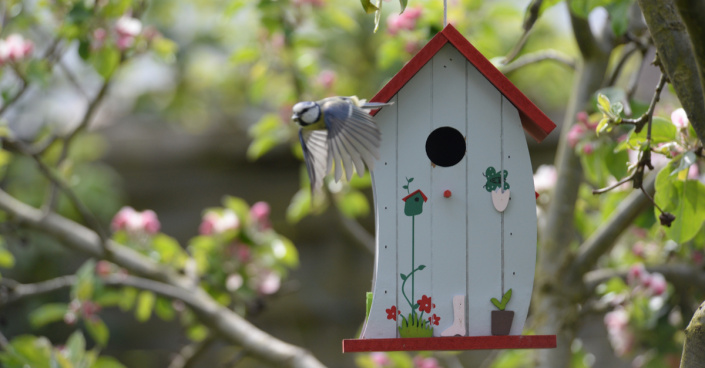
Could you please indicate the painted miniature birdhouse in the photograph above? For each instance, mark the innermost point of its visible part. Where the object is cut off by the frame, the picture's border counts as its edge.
(455, 206)
(413, 203)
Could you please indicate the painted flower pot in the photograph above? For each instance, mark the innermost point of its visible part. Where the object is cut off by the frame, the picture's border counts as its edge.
(502, 322)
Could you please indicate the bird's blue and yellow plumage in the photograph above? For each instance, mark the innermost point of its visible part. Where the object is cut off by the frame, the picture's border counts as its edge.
(337, 133)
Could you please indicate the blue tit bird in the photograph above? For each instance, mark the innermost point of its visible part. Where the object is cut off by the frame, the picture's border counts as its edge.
(337, 132)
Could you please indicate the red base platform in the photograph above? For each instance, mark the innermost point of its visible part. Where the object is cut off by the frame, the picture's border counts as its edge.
(451, 343)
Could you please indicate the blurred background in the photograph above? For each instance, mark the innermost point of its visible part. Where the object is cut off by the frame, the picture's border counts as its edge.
(198, 108)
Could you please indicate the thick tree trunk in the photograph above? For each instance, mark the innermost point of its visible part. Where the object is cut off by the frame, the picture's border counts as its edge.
(694, 346)
(554, 308)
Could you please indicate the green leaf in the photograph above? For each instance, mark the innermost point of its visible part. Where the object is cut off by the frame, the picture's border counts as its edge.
(300, 206)
(129, 295)
(107, 362)
(260, 146)
(684, 199)
(353, 204)
(76, 347)
(368, 6)
(47, 313)
(403, 4)
(285, 252)
(98, 330)
(145, 305)
(603, 126)
(197, 332)
(169, 250)
(421, 267)
(403, 277)
(164, 310)
(619, 16)
(686, 160)
(662, 131)
(105, 61)
(7, 260)
(84, 286)
(603, 103)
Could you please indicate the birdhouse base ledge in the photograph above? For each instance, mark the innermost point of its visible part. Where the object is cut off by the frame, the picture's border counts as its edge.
(451, 343)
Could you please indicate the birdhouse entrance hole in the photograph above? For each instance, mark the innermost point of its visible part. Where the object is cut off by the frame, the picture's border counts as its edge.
(445, 146)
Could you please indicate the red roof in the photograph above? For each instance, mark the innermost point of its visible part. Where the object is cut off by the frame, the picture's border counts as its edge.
(534, 121)
(413, 193)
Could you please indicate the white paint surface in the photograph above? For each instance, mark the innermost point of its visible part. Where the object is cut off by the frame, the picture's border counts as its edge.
(458, 239)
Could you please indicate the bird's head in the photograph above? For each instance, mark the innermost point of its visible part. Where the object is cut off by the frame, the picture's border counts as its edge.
(306, 113)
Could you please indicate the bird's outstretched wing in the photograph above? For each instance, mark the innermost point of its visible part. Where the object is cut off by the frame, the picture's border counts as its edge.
(315, 147)
(353, 137)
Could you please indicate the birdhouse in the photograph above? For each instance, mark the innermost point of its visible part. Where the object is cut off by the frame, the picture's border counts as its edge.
(457, 274)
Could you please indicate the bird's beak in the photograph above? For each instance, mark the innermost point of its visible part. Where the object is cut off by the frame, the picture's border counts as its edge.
(295, 117)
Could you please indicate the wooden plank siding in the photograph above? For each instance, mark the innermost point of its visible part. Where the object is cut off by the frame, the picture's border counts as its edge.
(456, 238)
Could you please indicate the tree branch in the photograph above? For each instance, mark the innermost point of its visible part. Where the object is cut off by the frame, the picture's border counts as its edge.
(189, 354)
(677, 58)
(536, 57)
(163, 281)
(16, 291)
(692, 13)
(693, 351)
(602, 240)
(678, 274)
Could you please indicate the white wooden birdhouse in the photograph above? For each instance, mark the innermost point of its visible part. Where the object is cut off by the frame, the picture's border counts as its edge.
(455, 206)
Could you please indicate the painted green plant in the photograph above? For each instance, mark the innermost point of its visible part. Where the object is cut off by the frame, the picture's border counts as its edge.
(415, 325)
(505, 300)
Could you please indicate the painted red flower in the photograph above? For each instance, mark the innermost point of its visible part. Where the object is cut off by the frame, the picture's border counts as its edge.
(434, 319)
(424, 304)
(392, 312)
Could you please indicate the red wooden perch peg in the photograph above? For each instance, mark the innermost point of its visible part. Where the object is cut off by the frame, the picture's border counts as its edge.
(447, 193)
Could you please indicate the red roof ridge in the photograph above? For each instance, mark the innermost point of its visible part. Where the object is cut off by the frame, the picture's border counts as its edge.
(534, 121)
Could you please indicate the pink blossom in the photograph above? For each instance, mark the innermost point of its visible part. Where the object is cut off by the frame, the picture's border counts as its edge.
(588, 148)
(658, 284)
(636, 274)
(127, 26)
(99, 34)
(576, 133)
(327, 79)
(679, 118)
(617, 322)
(411, 47)
(638, 249)
(314, 3)
(14, 48)
(268, 282)
(214, 223)
(233, 282)
(403, 21)
(260, 213)
(380, 359)
(693, 172)
(421, 362)
(583, 117)
(136, 222)
(545, 178)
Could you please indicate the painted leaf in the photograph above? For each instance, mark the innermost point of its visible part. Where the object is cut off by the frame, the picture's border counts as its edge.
(421, 267)
(505, 299)
(403, 277)
(497, 303)
(406, 187)
(410, 180)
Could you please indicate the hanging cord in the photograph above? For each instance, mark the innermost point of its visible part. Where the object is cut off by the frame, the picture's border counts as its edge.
(445, 13)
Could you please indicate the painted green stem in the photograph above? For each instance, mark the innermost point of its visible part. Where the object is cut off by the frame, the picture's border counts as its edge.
(413, 253)
(403, 283)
